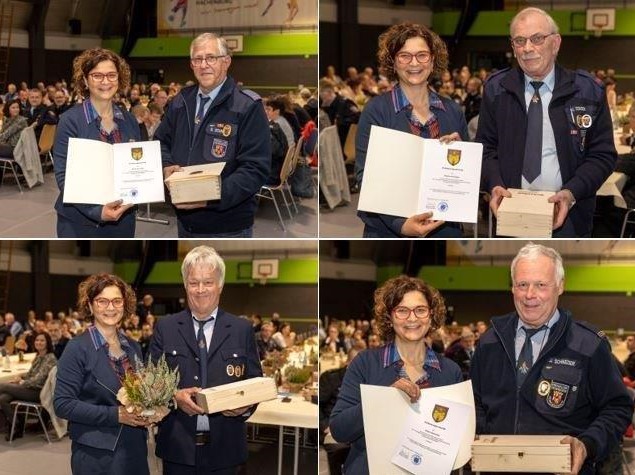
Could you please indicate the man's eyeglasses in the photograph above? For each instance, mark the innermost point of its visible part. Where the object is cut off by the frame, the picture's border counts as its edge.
(99, 77)
(539, 286)
(402, 313)
(104, 303)
(423, 57)
(536, 40)
(210, 59)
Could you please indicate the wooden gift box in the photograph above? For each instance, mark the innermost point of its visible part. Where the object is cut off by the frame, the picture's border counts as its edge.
(195, 183)
(526, 214)
(521, 453)
(238, 394)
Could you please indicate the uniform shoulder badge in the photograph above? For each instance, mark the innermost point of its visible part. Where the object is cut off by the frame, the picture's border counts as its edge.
(251, 94)
(593, 329)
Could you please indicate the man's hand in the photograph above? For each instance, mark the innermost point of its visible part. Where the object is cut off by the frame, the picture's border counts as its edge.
(167, 171)
(185, 401)
(192, 205)
(408, 387)
(236, 412)
(497, 195)
(578, 453)
(113, 211)
(563, 202)
(420, 225)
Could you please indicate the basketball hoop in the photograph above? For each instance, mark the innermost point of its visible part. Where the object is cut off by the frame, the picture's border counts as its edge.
(262, 280)
(600, 22)
(597, 32)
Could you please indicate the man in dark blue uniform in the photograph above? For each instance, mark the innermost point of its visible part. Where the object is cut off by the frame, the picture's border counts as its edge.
(546, 128)
(537, 371)
(215, 121)
(188, 441)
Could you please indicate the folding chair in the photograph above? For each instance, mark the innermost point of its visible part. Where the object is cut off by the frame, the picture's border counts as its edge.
(45, 144)
(25, 407)
(284, 175)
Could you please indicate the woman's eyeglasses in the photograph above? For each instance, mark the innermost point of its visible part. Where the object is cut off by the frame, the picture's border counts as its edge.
(103, 303)
(423, 57)
(99, 77)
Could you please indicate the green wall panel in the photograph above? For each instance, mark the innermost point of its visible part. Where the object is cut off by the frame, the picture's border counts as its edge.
(619, 279)
(301, 44)
(290, 271)
(496, 23)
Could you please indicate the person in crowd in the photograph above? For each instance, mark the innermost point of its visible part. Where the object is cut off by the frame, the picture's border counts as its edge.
(284, 336)
(99, 74)
(145, 307)
(473, 98)
(12, 126)
(4, 331)
(146, 337)
(279, 149)
(12, 93)
(216, 121)
(571, 154)
(35, 111)
(374, 341)
(59, 341)
(153, 120)
(629, 139)
(132, 327)
(274, 108)
(330, 384)
(538, 371)
(409, 53)
(26, 342)
(55, 110)
(406, 309)
(611, 94)
(462, 351)
(27, 387)
(190, 441)
(256, 322)
(141, 114)
(160, 99)
(629, 363)
(264, 342)
(333, 342)
(106, 438)
(23, 97)
(341, 111)
(134, 98)
(14, 326)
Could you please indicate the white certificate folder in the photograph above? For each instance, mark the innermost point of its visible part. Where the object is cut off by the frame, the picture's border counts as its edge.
(405, 175)
(98, 172)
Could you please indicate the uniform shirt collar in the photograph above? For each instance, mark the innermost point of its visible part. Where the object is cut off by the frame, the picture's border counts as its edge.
(549, 324)
(91, 114)
(99, 340)
(213, 314)
(400, 101)
(213, 93)
(549, 81)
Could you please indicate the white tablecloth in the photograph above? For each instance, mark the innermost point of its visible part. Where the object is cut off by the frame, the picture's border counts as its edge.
(297, 413)
(16, 369)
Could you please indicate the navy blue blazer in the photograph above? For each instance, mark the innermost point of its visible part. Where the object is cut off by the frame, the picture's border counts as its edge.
(347, 422)
(84, 220)
(233, 344)
(86, 395)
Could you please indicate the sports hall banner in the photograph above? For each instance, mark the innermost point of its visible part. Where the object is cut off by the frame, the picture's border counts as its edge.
(217, 14)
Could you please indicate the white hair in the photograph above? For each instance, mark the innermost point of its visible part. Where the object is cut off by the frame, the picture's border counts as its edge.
(205, 37)
(531, 10)
(204, 255)
(532, 251)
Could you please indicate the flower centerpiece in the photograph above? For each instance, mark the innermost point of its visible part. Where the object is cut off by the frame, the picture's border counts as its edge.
(147, 389)
(297, 378)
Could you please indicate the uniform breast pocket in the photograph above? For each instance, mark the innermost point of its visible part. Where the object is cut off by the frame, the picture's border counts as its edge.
(220, 142)
(235, 361)
(558, 389)
(175, 356)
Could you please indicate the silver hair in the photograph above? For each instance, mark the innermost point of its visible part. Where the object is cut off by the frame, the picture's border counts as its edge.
(206, 256)
(529, 10)
(205, 37)
(532, 251)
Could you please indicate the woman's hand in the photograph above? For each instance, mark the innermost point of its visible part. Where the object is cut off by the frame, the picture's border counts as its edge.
(497, 195)
(130, 418)
(420, 225)
(409, 388)
(450, 138)
(113, 211)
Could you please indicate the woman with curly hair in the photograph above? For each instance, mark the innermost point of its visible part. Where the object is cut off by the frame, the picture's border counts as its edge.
(406, 310)
(106, 438)
(98, 75)
(408, 54)
(12, 127)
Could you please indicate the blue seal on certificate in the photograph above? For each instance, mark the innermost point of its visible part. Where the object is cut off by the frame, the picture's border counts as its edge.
(416, 459)
(443, 206)
(134, 192)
